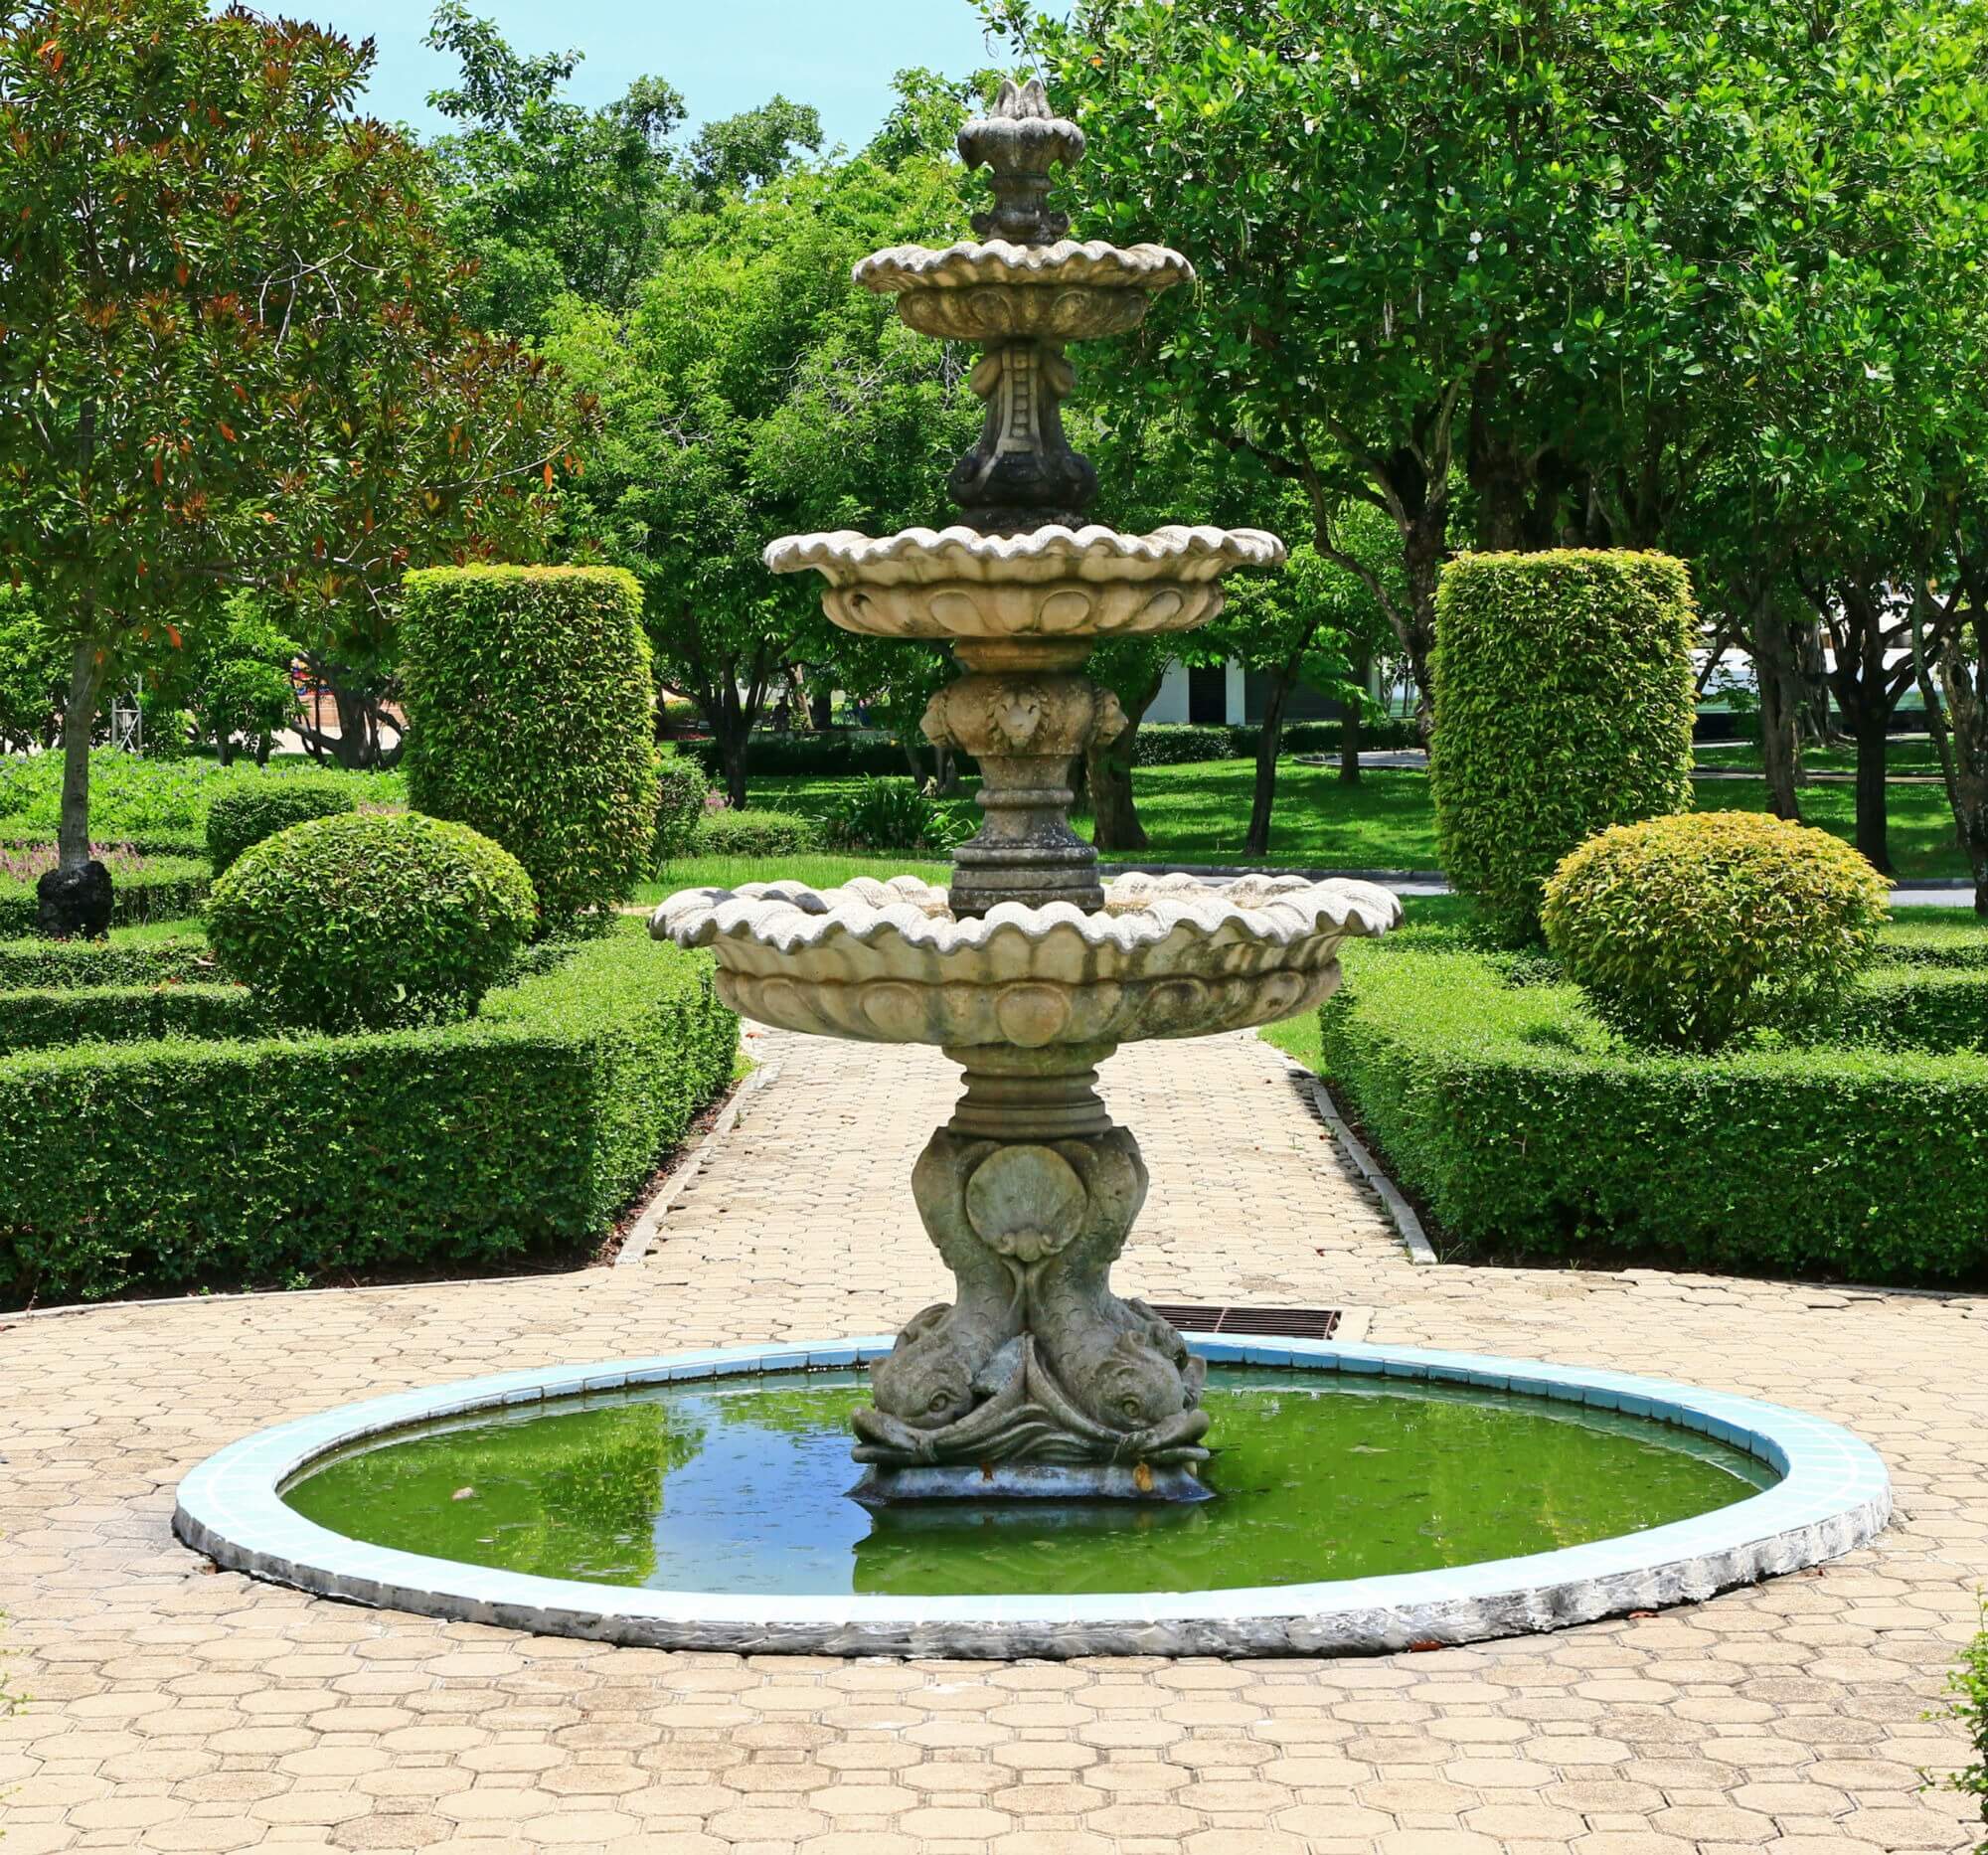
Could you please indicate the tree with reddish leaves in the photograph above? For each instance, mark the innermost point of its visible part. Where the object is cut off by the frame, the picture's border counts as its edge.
(229, 353)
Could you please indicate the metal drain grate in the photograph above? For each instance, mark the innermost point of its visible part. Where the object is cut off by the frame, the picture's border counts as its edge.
(1289, 1323)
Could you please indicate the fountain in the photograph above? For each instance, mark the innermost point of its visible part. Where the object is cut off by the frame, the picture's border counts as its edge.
(1047, 1468)
(1036, 1381)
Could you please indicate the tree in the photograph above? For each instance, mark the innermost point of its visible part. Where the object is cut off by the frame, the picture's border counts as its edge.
(1400, 216)
(753, 392)
(227, 341)
(554, 199)
(234, 676)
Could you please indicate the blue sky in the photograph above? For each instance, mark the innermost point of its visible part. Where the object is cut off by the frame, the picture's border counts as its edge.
(723, 55)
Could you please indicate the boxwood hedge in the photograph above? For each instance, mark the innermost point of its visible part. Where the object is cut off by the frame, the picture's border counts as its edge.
(181, 1164)
(1530, 1131)
(152, 955)
(122, 1014)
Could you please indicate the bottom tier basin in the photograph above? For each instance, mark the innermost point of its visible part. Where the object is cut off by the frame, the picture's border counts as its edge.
(1365, 1500)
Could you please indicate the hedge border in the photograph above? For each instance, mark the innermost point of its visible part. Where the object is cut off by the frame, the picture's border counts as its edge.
(179, 1164)
(58, 1016)
(1527, 1131)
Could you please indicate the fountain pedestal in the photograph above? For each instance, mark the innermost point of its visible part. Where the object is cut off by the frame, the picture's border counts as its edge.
(1037, 1381)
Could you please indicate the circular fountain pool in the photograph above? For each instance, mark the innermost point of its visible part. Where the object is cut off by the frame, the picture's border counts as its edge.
(1367, 1498)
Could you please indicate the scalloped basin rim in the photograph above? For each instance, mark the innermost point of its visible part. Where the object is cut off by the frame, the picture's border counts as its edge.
(1094, 549)
(1834, 1497)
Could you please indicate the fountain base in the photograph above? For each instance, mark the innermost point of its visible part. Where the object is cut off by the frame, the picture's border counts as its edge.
(1032, 1481)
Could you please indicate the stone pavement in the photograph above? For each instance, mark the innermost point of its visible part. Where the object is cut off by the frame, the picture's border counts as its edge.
(173, 1706)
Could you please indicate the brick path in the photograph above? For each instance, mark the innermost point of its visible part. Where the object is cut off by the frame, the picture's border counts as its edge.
(176, 1708)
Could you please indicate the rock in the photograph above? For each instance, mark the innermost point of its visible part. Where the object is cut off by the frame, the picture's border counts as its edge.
(76, 902)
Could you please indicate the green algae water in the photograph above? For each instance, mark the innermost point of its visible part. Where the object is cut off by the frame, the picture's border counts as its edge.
(740, 1485)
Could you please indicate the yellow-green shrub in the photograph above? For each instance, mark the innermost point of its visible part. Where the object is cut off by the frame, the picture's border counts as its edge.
(1564, 704)
(1686, 932)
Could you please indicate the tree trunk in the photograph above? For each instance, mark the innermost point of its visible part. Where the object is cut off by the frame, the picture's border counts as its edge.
(1872, 734)
(821, 709)
(1115, 817)
(1268, 744)
(1773, 662)
(85, 687)
(1422, 548)
(1349, 728)
(1114, 814)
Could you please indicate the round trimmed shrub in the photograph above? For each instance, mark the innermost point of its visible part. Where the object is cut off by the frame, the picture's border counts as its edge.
(531, 718)
(681, 791)
(1686, 933)
(372, 920)
(1563, 705)
(242, 818)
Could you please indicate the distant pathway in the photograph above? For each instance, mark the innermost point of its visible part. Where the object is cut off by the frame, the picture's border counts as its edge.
(176, 1708)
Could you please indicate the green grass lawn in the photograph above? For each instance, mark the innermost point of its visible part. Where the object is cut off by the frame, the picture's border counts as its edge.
(1905, 756)
(818, 872)
(1199, 815)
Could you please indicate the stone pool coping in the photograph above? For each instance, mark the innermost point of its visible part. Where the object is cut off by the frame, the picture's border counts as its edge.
(1834, 1495)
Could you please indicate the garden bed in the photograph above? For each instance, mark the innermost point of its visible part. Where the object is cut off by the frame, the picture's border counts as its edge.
(1530, 1131)
(145, 888)
(182, 1163)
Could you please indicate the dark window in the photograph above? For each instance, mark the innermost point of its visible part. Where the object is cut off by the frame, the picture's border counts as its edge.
(1208, 696)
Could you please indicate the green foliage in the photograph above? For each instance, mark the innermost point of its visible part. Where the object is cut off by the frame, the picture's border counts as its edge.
(1563, 705)
(159, 805)
(371, 922)
(551, 198)
(180, 1165)
(681, 791)
(232, 676)
(247, 815)
(34, 673)
(823, 756)
(757, 834)
(1968, 1686)
(161, 888)
(1530, 1130)
(67, 1015)
(1686, 933)
(891, 814)
(531, 716)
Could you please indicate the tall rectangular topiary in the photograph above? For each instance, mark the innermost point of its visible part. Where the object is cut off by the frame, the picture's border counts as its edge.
(530, 718)
(1563, 705)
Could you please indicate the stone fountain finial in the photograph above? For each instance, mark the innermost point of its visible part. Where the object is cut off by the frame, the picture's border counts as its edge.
(1021, 141)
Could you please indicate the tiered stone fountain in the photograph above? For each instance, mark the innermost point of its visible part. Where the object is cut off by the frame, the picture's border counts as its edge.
(1037, 1380)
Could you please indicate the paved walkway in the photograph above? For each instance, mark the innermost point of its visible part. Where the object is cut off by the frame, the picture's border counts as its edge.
(174, 1707)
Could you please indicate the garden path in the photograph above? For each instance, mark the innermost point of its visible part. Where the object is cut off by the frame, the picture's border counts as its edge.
(174, 1707)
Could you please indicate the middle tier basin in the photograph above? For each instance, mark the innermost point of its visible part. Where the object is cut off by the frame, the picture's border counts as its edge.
(888, 962)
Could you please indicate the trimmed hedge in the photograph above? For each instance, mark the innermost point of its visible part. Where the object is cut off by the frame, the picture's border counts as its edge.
(840, 752)
(168, 889)
(1530, 1131)
(757, 834)
(531, 718)
(681, 791)
(240, 819)
(178, 1164)
(1563, 705)
(1902, 1008)
(46, 965)
(122, 1014)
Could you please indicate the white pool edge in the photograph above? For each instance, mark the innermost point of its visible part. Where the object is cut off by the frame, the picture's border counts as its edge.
(1834, 1495)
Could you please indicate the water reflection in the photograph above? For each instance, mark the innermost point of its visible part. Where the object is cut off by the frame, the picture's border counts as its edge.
(741, 1485)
